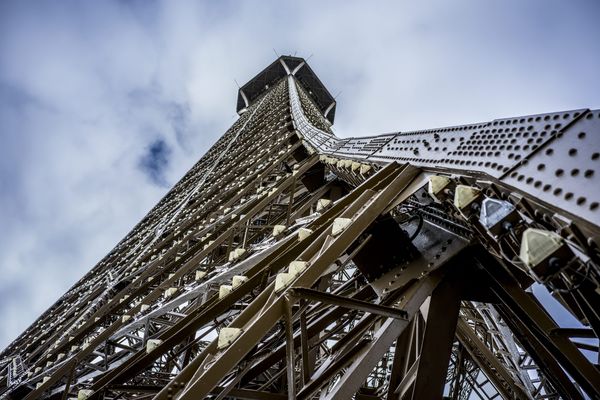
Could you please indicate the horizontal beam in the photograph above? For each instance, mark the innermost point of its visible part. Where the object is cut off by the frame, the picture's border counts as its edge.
(573, 332)
(349, 303)
(251, 394)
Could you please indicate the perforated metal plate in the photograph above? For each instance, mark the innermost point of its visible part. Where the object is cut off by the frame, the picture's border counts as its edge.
(552, 156)
(492, 147)
(564, 171)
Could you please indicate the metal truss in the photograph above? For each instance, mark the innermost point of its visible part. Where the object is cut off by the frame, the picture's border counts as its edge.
(290, 263)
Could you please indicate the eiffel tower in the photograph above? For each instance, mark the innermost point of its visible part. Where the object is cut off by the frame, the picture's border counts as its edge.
(291, 263)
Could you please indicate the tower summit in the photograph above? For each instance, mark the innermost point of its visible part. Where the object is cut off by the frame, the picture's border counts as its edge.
(280, 68)
(290, 263)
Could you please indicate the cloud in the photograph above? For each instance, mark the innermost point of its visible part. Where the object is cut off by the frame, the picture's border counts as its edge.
(103, 105)
(154, 162)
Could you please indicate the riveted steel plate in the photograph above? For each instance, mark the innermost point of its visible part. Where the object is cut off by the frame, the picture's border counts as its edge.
(566, 169)
(491, 147)
(435, 245)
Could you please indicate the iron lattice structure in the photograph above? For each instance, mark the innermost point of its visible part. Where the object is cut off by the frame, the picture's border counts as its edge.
(290, 263)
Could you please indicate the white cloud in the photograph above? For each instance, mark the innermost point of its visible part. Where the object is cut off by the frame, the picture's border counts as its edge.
(86, 87)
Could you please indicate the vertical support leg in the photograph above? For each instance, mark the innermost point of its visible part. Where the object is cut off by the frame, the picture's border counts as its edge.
(458, 373)
(437, 341)
(68, 385)
(289, 348)
(306, 369)
(400, 358)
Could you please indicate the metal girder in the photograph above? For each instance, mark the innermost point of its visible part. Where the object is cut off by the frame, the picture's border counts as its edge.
(528, 310)
(290, 263)
(441, 318)
(494, 370)
(349, 303)
(383, 338)
(325, 251)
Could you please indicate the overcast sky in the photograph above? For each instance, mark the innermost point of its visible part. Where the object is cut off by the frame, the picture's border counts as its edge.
(105, 104)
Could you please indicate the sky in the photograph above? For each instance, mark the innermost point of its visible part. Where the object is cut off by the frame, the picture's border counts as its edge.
(104, 105)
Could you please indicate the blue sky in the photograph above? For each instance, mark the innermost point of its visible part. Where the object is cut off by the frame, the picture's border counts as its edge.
(104, 105)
